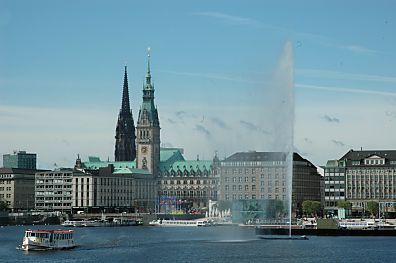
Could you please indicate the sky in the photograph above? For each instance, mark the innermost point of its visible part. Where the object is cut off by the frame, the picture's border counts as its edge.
(216, 67)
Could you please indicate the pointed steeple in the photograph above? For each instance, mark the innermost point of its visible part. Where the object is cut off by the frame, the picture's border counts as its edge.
(125, 107)
(125, 148)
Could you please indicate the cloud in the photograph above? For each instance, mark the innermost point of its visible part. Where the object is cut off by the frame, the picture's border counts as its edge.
(346, 90)
(202, 129)
(331, 119)
(220, 123)
(212, 76)
(358, 49)
(391, 114)
(252, 127)
(319, 39)
(182, 115)
(65, 142)
(230, 19)
(338, 143)
(171, 121)
(344, 75)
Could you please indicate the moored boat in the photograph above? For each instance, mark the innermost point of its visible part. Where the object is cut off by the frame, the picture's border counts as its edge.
(48, 239)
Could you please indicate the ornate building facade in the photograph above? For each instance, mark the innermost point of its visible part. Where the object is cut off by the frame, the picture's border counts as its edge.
(125, 148)
(360, 177)
(148, 129)
(191, 182)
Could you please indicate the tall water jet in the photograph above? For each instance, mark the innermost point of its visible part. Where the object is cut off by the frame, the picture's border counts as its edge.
(283, 85)
(277, 116)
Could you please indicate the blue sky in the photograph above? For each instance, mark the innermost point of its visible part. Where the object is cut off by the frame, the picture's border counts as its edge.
(61, 71)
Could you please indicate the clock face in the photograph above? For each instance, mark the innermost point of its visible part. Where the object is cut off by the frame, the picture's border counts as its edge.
(144, 149)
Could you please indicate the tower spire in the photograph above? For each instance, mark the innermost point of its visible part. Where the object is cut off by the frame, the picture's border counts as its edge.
(125, 148)
(148, 76)
(125, 107)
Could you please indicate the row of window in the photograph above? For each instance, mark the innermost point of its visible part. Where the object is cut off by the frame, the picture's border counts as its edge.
(179, 173)
(187, 182)
(253, 188)
(247, 197)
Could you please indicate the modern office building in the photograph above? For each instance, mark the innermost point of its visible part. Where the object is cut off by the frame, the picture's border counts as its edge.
(20, 159)
(17, 188)
(263, 175)
(53, 190)
(359, 177)
(334, 185)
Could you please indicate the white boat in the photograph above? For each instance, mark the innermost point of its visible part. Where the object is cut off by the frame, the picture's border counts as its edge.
(48, 240)
(85, 223)
(179, 223)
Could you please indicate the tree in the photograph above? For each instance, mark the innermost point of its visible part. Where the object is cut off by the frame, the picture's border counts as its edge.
(3, 206)
(372, 207)
(344, 204)
(311, 207)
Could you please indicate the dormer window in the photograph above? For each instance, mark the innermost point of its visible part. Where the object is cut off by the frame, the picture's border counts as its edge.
(374, 160)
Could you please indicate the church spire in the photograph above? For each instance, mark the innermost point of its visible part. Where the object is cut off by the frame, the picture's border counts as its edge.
(125, 147)
(125, 107)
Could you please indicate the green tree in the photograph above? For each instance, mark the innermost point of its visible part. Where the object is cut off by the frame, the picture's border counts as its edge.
(311, 207)
(3, 205)
(372, 207)
(344, 204)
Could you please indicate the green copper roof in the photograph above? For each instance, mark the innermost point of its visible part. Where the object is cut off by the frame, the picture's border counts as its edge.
(188, 165)
(130, 171)
(96, 163)
(335, 163)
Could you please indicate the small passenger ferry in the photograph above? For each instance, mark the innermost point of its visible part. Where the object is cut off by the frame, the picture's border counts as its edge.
(180, 223)
(48, 239)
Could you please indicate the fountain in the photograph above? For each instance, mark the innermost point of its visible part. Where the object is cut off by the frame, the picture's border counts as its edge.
(278, 119)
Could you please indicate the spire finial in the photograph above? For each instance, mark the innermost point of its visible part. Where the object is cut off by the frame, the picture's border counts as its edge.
(148, 59)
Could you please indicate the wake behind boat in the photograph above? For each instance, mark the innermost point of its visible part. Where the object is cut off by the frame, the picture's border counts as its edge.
(48, 240)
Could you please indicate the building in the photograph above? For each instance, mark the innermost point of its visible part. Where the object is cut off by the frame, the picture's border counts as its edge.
(110, 186)
(192, 183)
(125, 148)
(334, 185)
(263, 176)
(17, 188)
(148, 129)
(360, 177)
(53, 190)
(20, 159)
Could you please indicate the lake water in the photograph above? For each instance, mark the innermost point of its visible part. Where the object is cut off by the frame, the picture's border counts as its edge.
(207, 244)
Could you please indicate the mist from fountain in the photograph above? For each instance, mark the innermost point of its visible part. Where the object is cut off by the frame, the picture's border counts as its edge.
(276, 114)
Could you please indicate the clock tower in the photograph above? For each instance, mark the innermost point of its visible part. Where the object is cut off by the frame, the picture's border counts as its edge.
(148, 129)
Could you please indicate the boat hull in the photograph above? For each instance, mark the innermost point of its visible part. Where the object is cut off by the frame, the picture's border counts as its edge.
(326, 232)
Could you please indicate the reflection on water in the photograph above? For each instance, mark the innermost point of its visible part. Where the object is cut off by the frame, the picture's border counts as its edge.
(207, 244)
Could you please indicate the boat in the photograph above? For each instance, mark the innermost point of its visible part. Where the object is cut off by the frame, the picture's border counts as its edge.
(101, 223)
(84, 223)
(179, 223)
(48, 240)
